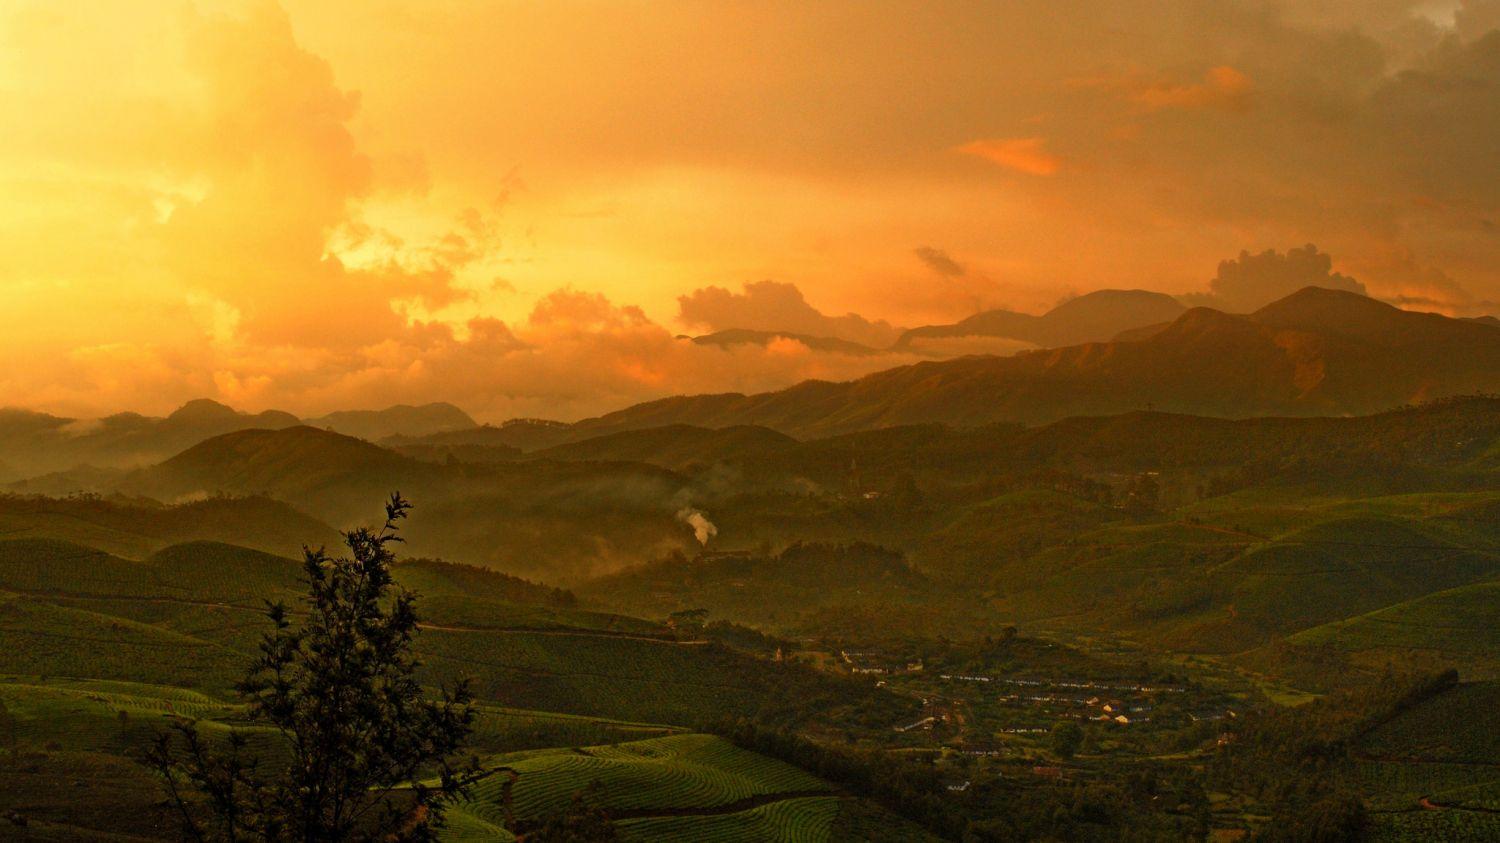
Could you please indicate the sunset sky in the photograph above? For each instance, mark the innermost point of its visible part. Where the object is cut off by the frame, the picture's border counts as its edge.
(516, 206)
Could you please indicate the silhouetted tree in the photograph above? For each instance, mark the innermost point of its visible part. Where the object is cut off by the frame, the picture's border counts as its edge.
(372, 757)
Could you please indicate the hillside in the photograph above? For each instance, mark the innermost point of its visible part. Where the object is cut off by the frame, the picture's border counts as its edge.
(190, 615)
(772, 592)
(1458, 627)
(1316, 352)
(138, 528)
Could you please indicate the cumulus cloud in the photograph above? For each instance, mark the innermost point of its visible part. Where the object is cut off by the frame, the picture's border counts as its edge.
(231, 222)
(1252, 281)
(777, 306)
(282, 180)
(577, 354)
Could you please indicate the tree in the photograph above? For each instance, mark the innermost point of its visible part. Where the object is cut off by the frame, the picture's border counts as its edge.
(372, 757)
(1067, 737)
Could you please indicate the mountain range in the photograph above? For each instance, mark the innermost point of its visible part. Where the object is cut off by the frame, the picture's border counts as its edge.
(1315, 352)
(1094, 317)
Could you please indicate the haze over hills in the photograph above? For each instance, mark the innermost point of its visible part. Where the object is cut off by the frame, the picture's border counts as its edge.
(34, 443)
(927, 595)
(1315, 352)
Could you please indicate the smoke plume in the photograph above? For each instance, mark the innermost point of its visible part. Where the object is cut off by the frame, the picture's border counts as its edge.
(703, 529)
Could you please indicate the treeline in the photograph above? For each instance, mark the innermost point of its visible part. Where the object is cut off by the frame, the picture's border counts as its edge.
(1138, 804)
(910, 789)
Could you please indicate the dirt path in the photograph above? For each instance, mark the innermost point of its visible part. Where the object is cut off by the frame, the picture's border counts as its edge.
(1429, 805)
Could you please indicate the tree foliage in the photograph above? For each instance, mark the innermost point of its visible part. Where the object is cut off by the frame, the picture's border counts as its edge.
(371, 755)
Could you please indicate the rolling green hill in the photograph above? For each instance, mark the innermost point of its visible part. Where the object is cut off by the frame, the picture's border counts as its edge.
(769, 591)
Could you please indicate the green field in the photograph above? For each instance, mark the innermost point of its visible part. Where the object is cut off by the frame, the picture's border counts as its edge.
(100, 652)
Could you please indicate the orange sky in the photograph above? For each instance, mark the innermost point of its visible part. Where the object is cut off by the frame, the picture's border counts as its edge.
(318, 204)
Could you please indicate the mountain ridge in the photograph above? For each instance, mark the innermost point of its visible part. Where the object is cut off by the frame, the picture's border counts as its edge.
(1315, 352)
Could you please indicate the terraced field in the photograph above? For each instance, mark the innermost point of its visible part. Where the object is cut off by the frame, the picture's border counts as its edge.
(681, 771)
(1436, 826)
(802, 820)
(681, 787)
(1433, 770)
(1455, 727)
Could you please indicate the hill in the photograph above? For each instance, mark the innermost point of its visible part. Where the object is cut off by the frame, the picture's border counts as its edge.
(140, 527)
(542, 518)
(1316, 352)
(1457, 627)
(397, 420)
(518, 434)
(1093, 317)
(770, 591)
(190, 616)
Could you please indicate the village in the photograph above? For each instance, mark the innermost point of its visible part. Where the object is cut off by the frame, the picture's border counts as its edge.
(989, 714)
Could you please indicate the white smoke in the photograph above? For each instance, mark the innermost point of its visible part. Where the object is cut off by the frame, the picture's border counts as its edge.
(703, 529)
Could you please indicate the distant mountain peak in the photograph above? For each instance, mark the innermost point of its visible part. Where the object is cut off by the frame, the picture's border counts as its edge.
(397, 420)
(1338, 312)
(1098, 316)
(203, 409)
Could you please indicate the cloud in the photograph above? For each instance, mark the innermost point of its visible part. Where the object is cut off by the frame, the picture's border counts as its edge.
(1222, 86)
(1475, 19)
(776, 306)
(1250, 282)
(1409, 284)
(939, 261)
(275, 206)
(1024, 155)
(577, 354)
(283, 178)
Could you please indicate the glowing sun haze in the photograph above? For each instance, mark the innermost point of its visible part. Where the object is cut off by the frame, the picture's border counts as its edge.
(516, 206)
